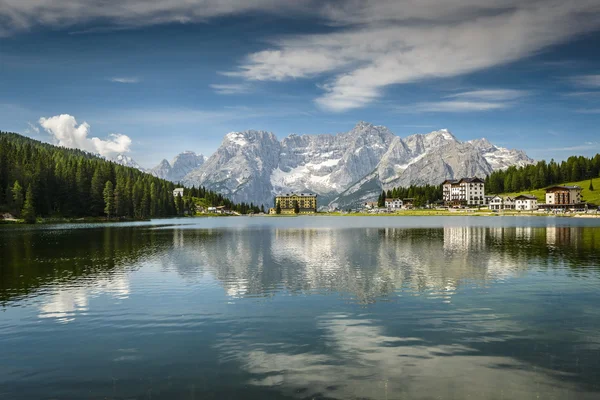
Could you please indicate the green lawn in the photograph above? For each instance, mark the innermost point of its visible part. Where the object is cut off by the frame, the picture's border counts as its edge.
(589, 196)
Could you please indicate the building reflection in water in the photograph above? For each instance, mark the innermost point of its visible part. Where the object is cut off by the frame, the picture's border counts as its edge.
(365, 263)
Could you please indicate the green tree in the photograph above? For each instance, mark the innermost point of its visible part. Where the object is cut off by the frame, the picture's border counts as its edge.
(17, 194)
(296, 207)
(278, 208)
(381, 199)
(591, 186)
(96, 193)
(179, 205)
(28, 212)
(109, 199)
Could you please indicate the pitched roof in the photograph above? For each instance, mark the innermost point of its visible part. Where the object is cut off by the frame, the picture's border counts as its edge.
(564, 187)
(525, 197)
(471, 180)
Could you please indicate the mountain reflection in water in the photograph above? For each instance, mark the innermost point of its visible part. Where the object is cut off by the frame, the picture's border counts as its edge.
(280, 311)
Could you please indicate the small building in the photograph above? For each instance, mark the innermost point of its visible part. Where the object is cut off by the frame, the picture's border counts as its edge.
(563, 198)
(306, 202)
(526, 202)
(408, 203)
(178, 192)
(272, 211)
(393, 204)
(563, 195)
(464, 192)
(222, 210)
(498, 203)
(369, 205)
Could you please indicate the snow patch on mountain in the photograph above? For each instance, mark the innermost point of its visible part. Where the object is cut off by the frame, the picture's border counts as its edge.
(126, 161)
(346, 168)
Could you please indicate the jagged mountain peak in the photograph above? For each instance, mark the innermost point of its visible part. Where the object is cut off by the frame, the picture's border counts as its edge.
(243, 138)
(127, 161)
(253, 165)
(164, 163)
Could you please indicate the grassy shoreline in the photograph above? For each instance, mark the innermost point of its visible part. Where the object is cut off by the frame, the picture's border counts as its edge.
(444, 213)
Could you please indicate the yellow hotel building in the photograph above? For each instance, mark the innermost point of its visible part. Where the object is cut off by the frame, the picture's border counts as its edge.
(307, 203)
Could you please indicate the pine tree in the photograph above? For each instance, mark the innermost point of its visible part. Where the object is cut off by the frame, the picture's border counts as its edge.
(381, 199)
(278, 208)
(179, 205)
(591, 186)
(296, 207)
(109, 199)
(28, 212)
(96, 193)
(17, 194)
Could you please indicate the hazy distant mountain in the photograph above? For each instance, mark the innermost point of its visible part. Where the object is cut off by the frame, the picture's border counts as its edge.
(127, 161)
(344, 169)
(181, 165)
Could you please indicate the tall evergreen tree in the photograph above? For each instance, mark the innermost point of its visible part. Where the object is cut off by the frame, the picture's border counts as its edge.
(179, 205)
(28, 212)
(109, 199)
(17, 195)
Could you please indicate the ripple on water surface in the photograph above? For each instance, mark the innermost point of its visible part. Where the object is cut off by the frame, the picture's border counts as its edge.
(339, 308)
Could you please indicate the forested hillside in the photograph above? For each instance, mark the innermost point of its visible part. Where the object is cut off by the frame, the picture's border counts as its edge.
(41, 180)
(543, 174)
(422, 195)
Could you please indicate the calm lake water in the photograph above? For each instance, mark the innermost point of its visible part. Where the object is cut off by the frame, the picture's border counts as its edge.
(307, 307)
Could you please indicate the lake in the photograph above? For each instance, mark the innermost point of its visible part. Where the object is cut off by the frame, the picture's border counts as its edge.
(306, 307)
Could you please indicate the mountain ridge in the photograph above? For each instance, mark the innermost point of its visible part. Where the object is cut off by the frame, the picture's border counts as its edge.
(254, 165)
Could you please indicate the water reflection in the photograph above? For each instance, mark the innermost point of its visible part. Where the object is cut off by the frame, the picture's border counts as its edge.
(166, 312)
(366, 264)
(362, 361)
(64, 303)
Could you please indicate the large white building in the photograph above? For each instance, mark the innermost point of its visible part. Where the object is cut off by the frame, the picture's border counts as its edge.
(464, 192)
(178, 192)
(393, 204)
(501, 203)
(526, 202)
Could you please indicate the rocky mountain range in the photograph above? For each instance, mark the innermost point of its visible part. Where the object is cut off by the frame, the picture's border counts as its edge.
(182, 164)
(344, 169)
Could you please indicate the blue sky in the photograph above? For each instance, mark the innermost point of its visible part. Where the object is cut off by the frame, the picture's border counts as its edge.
(177, 75)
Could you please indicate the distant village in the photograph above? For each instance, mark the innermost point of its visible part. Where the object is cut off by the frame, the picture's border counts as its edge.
(469, 193)
(457, 194)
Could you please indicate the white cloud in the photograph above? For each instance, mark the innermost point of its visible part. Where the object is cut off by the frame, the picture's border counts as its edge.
(491, 94)
(453, 106)
(592, 81)
(402, 42)
(582, 94)
(581, 147)
(66, 132)
(125, 79)
(231, 88)
(32, 129)
(474, 100)
(19, 15)
(370, 45)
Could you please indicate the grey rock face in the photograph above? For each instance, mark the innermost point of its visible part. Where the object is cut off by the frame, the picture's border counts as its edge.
(241, 168)
(162, 170)
(181, 165)
(344, 169)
